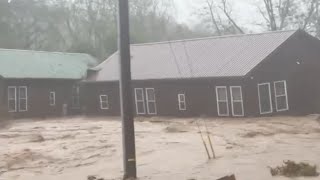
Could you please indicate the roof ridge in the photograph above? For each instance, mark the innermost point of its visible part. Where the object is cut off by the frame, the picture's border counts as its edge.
(35, 51)
(97, 68)
(213, 37)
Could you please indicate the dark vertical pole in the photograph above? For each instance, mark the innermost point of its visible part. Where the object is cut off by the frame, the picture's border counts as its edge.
(128, 137)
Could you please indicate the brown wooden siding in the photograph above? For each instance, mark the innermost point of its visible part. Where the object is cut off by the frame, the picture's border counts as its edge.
(91, 101)
(199, 93)
(38, 97)
(298, 62)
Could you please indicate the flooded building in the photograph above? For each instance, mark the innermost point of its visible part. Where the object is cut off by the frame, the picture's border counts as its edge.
(230, 76)
(40, 84)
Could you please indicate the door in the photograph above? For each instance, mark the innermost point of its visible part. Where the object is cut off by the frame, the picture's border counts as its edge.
(236, 101)
(222, 101)
(139, 98)
(151, 101)
(265, 103)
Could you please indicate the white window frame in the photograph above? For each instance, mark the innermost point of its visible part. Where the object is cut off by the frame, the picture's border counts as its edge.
(137, 101)
(183, 102)
(232, 101)
(26, 98)
(226, 101)
(10, 99)
(151, 101)
(75, 96)
(277, 96)
(270, 99)
(104, 101)
(52, 98)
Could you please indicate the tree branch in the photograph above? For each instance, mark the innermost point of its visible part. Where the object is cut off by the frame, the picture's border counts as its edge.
(310, 13)
(213, 19)
(227, 14)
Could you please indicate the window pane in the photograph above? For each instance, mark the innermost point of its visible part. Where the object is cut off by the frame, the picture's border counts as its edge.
(150, 94)
(76, 96)
(103, 98)
(181, 97)
(223, 108)
(237, 108)
(104, 105)
(11, 93)
(76, 90)
(151, 101)
(104, 102)
(22, 104)
(236, 94)
(282, 103)
(265, 104)
(139, 94)
(222, 94)
(52, 98)
(140, 108)
(280, 88)
(182, 105)
(22, 92)
(152, 108)
(12, 105)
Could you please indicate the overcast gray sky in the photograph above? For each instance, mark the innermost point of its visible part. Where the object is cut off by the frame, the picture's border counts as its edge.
(244, 11)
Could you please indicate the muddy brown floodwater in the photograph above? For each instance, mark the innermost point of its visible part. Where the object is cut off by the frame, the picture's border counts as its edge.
(167, 148)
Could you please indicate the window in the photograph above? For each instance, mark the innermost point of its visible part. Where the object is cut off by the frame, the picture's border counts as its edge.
(139, 97)
(151, 101)
(104, 104)
(12, 99)
(17, 98)
(281, 96)
(222, 101)
(182, 102)
(76, 96)
(236, 101)
(264, 94)
(52, 98)
(23, 99)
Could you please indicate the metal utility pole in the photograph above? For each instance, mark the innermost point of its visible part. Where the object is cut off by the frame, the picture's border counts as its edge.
(128, 137)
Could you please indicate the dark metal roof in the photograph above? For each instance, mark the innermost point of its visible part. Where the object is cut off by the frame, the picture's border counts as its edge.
(224, 56)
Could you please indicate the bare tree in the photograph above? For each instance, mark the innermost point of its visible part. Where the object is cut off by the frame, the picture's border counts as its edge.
(213, 18)
(312, 13)
(283, 14)
(219, 15)
(317, 20)
(227, 12)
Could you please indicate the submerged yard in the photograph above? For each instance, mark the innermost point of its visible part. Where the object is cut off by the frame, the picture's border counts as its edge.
(167, 148)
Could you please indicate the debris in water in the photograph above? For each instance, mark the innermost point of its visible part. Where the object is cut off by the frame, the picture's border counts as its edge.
(94, 178)
(232, 177)
(293, 169)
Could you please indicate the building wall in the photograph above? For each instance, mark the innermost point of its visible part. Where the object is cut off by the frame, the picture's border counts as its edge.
(38, 97)
(91, 98)
(297, 62)
(3, 107)
(199, 93)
